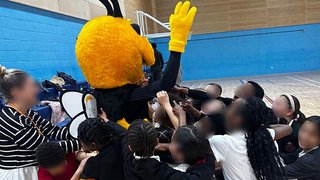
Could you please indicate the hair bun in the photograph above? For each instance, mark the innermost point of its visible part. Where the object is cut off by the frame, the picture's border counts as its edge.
(3, 71)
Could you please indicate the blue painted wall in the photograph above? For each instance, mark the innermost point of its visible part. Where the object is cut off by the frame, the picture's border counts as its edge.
(42, 42)
(250, 52)
(38, 41)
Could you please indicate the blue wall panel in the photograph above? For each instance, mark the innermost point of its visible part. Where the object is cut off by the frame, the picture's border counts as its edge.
(38, 41)
(250, 52)
(42, 43)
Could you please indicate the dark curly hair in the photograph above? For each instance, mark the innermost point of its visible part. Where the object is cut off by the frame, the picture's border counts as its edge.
(50, 154)
(95, 130)
(262, 153)
(217, 121)
(142, 138)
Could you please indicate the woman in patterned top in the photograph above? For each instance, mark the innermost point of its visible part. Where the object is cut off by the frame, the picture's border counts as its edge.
(22, 130)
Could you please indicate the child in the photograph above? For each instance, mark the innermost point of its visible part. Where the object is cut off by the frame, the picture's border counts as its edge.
(54, 163)
(287, 108)
(177, 119)
(306, 164)
(188, 146)
(248, 151)
(212, 124)
(97, 135)
(213, 90)
(213, 106)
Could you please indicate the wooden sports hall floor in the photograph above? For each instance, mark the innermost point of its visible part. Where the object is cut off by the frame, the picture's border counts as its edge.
(305, 86)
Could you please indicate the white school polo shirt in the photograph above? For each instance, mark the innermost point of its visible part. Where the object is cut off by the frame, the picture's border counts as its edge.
(231, 151)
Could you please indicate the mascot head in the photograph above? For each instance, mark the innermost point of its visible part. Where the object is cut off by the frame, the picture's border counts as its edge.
(110, 52)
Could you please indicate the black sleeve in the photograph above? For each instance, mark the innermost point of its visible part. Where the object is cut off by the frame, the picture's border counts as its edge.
(304, 167)
(161, 60)
(166, 83)
(118, 129)
(90, 170)
(203, 96)
(122, 133)
(199, 95)
(289, 158)
(156, 170)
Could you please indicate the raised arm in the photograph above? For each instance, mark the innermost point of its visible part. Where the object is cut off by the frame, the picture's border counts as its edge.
(196, 94)
(166, 83)
(180, 24)
(163, 100)
(281, 130)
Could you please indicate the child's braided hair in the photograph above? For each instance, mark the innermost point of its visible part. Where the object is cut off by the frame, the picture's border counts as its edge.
(142, 138)
(95, 130)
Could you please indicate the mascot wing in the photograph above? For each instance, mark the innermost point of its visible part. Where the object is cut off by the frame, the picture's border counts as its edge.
(79, 107)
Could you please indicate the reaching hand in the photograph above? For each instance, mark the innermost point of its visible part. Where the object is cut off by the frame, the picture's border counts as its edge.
(178, 109)
(163, 98)
(188, 107)
(180, 24)
(143, 82)
(176, 89)
(103, 115)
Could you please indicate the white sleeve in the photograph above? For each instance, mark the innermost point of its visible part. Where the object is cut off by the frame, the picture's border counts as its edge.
(220, 146)
(272, 133)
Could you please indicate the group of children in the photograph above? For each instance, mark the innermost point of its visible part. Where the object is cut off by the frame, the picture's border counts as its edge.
(195, 134)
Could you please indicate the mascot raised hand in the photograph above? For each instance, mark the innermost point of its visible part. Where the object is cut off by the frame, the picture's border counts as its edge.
(111, 54)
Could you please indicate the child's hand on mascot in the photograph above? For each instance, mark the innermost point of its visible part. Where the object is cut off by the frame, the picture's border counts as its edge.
(180, 25)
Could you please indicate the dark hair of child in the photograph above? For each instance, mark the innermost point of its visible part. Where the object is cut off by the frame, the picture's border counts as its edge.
(258, 90)
(95, 130)
(297, 114)
(142, 138)
(316, 121)
(218, 86)
(192, 143)
(50, 154)
(262, 153)
(217, 123)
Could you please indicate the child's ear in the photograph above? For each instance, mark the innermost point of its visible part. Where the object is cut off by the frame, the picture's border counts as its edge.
(289, 113)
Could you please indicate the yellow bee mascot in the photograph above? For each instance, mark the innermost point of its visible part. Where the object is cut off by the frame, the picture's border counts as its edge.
(111, 54)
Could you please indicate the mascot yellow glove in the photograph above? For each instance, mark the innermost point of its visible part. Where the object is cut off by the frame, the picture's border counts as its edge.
(180, 25)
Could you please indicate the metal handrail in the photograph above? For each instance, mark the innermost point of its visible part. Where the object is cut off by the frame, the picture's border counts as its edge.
(142, 21)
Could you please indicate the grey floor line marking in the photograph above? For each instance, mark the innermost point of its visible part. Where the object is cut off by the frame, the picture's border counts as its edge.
(308, 79)
(314, 85)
